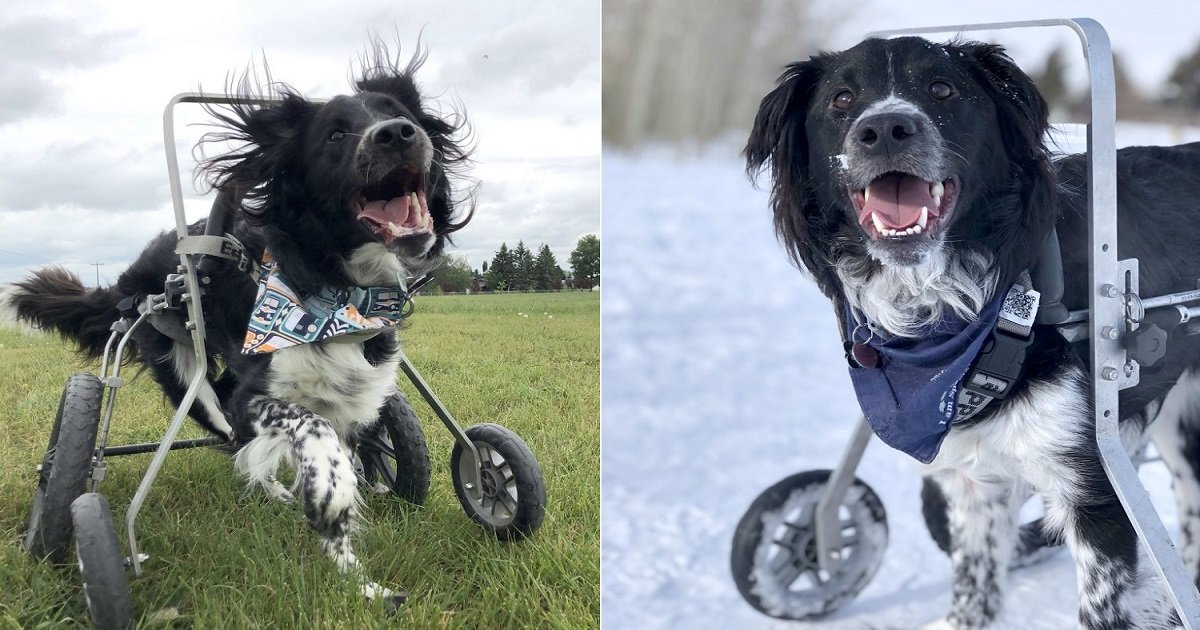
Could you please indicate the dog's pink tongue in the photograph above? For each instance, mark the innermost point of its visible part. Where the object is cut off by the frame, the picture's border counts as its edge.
(897, 200)
(385, 212)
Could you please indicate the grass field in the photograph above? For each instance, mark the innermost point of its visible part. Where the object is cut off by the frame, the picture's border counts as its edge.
(225, 558)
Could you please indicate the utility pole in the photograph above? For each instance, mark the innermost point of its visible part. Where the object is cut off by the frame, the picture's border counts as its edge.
(97, 266)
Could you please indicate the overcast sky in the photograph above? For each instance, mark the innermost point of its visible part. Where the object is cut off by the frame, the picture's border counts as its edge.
(83, 84)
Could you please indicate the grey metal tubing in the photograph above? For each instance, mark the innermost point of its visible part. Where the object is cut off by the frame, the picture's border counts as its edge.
(826, 521)
(107, 349)
(195, 315)
(443, 414)
(137, 449)
(1171, 299)
(1106, 308)
(111, 384)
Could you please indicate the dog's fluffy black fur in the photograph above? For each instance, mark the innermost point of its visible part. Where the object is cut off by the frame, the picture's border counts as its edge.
(962, 127)
(313, 180)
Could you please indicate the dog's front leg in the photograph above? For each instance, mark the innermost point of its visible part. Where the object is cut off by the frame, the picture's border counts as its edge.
(328, 486)
(982, 535)
(1113, 591)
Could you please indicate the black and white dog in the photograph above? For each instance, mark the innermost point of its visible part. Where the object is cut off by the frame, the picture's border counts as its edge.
(349, 196)
(912, 181)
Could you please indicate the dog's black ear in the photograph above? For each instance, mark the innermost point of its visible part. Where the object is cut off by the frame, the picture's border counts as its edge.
(778, 133)
(267, 136)
(1023, 117)
(779, 138)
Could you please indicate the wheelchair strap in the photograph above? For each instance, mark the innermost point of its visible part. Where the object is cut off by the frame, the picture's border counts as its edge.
(1001, 362)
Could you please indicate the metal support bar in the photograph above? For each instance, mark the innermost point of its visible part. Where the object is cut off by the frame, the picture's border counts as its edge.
(1106, 308)
(827, 523)
(460, 436)
(111, 383)
(1162, 301)
(149, 447)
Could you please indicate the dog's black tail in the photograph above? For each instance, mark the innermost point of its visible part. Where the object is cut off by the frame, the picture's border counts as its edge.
(54, 299)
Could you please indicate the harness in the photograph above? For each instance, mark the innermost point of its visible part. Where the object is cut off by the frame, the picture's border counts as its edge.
(912, 390)
(282, 317)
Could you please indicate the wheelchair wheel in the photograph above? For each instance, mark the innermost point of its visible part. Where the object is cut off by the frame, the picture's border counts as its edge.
(774, 556)
(105, 583)
(65, 469)
(394, 453)
(511, 501)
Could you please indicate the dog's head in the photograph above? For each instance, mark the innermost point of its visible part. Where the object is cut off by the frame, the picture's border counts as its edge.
(374, 167)
(894, 149)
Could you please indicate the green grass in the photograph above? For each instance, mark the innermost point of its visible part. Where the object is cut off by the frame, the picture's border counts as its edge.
(222, 557)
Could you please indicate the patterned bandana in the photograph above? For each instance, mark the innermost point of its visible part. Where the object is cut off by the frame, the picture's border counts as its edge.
(283, 317)
(911, 398)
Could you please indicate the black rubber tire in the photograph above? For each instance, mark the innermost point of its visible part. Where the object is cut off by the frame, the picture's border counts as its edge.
(394, 452)
(796, 496)
(1033, 544)
(512, 481)
(65, 469)
(105, 583)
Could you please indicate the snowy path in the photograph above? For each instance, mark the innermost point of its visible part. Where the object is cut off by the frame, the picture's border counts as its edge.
(722, 373)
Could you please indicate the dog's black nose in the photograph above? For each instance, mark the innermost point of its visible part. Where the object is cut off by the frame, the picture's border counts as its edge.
(396, 133)
(888, 133)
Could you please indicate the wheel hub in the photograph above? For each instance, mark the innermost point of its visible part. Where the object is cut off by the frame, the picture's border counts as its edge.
(491, 480)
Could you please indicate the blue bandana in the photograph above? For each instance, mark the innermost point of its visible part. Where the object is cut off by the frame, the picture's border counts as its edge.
(283, 317)
(911, 400)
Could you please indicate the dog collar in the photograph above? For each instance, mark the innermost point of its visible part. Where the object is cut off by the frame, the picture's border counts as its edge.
(912, 390)
(283, 317)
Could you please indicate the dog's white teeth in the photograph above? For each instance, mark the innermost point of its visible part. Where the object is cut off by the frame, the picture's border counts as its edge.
(878, 223)
(937, 190)
(921, 223)
(866, 195)
(916, 229)
(413, 202)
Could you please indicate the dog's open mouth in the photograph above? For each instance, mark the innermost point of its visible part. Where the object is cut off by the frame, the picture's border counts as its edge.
(395, 206)
(903, 206)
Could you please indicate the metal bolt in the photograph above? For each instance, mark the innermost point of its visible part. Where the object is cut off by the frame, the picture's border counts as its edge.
(1110, 291)
(1109, 373)
(835, 554)
(469, 486)
(1108, 332)
(1129, 367)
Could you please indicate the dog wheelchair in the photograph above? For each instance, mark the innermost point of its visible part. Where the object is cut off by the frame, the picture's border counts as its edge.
(496, 477)
(809, 544)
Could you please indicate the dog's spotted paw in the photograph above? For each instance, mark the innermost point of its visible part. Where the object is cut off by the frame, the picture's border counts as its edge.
(278, 491)
(391, 599)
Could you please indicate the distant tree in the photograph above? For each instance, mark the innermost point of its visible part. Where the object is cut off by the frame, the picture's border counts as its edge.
(500, 276)
(485, 266)
(522, 268)
(547, 275)
(1183, 85)
(1052, 83)
(585, 262)
(454, 274)
(1130, 103)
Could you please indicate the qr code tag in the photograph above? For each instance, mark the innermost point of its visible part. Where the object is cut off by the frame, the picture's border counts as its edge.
(1020, 307)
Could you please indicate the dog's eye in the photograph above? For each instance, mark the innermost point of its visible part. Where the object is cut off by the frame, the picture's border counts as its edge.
(941, 90)
(337, 136)
(843, 100)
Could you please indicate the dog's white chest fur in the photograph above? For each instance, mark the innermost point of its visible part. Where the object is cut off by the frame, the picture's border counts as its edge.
(333, 380)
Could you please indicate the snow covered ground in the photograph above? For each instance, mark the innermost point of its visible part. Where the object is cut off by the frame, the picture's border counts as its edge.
(722, 373)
